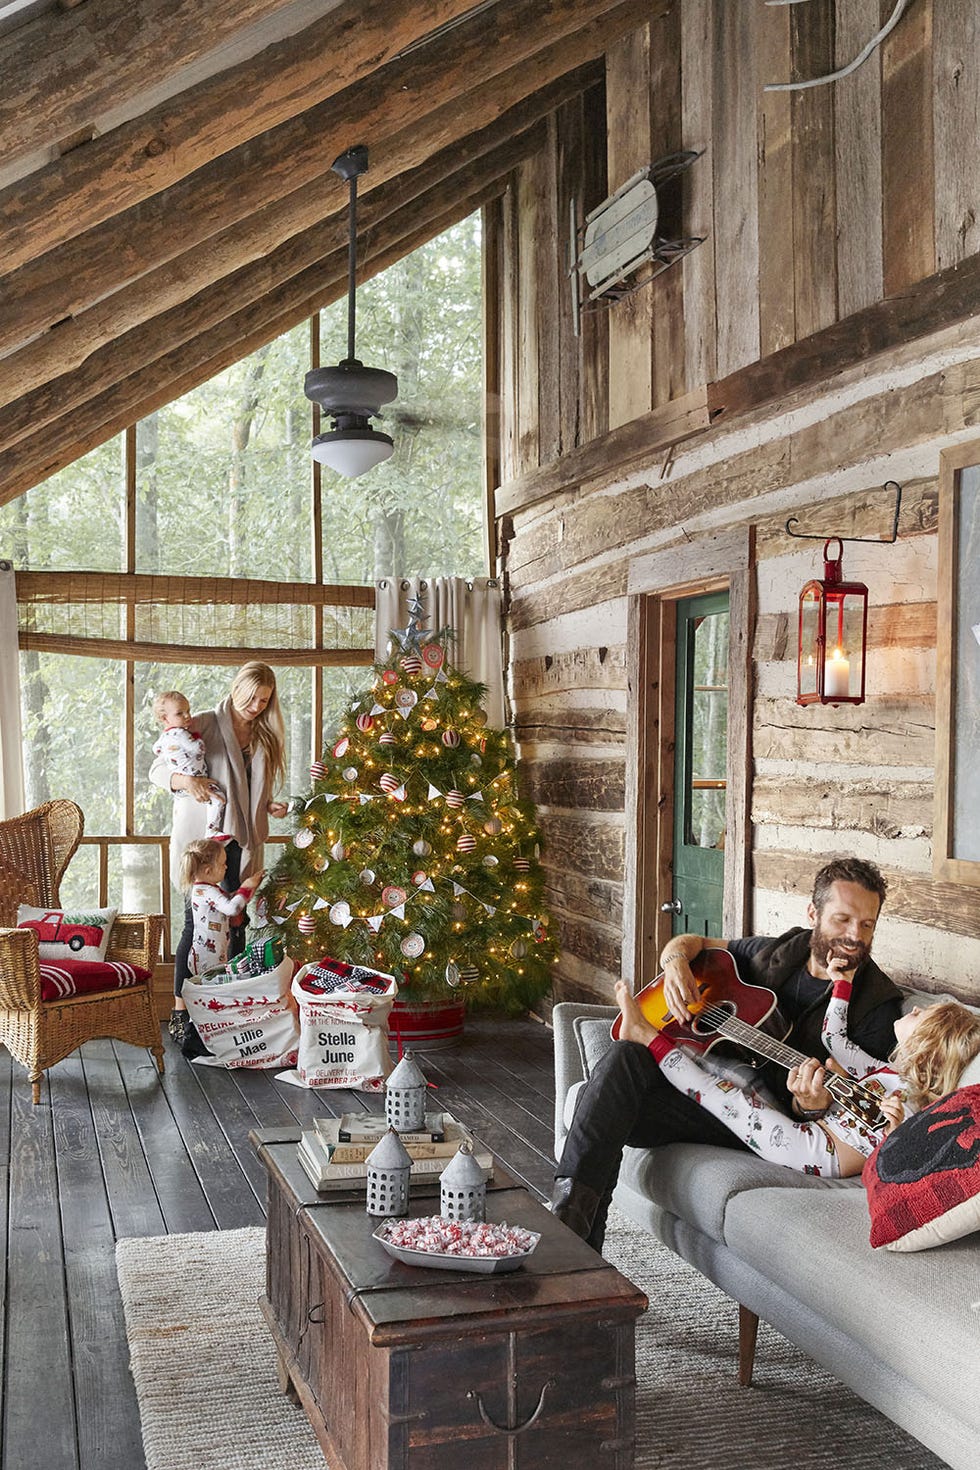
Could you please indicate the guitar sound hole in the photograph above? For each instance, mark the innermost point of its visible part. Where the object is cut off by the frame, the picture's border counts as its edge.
(713, 1017)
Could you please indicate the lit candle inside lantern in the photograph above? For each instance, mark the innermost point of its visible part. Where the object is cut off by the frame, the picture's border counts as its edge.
(836, 676)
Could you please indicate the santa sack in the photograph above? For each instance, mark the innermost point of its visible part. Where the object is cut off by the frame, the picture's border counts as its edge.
(247, 1022)
(343, 1025)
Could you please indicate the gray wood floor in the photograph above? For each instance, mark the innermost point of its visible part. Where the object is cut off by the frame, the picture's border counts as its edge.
(112, 1152)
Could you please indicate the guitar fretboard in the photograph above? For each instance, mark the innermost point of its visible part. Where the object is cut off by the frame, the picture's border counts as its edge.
(855, 1099)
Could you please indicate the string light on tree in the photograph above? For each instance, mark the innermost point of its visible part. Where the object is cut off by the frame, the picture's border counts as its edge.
(422, 857)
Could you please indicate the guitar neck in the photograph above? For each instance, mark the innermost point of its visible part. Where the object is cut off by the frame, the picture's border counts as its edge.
(857, 1100)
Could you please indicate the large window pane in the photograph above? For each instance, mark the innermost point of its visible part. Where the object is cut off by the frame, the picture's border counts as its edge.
(72, 710)
(223, 475)
(421, 512)
(72, 521)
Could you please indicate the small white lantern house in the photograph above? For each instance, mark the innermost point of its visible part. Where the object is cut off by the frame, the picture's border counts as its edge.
(405, 1092)
(388, 1167)
(462, 1187)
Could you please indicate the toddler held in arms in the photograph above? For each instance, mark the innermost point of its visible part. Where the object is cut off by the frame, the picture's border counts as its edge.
(183, 750)
(202, 867)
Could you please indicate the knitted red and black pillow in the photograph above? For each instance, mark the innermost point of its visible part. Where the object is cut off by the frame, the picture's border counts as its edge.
(923, 1180)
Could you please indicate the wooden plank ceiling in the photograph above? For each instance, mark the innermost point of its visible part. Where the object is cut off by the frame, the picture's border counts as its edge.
(166, 199)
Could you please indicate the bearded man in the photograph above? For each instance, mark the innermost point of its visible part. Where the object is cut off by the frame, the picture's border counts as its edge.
(629, 1101)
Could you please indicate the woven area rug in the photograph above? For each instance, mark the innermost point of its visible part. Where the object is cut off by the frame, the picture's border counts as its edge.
(204, 1368)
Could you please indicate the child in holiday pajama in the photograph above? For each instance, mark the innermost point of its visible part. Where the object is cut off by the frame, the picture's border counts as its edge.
(202, 867)
(934, 1045)
(183, 749)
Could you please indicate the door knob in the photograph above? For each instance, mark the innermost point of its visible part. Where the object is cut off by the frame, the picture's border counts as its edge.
(674, 907)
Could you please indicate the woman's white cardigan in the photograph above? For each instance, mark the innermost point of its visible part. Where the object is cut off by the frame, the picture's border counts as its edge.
(246, 818)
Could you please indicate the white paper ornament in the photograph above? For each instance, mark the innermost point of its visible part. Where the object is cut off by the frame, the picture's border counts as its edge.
(406, 699)
(340, 914)
(421, 848)
(340, 749)
(490, 861)
(338, 852)
(350, 773)
(366, 876)
(303, 837)
(412, 946)
(393, 895)
(452, 974)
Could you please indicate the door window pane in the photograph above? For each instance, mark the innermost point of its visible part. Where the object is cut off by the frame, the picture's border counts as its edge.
(709, 730)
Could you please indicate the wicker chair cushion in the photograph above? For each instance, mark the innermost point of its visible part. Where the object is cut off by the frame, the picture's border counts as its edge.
(65, 934)
(85, 977)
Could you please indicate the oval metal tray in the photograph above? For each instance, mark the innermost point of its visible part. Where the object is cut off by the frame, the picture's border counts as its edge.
(485, 1265)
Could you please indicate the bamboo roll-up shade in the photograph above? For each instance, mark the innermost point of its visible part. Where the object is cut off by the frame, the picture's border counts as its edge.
(181, 619)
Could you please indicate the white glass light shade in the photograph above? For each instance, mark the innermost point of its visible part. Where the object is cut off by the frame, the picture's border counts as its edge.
(351, 452)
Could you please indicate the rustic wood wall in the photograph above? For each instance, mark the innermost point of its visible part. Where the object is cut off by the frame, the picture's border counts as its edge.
(816, 206)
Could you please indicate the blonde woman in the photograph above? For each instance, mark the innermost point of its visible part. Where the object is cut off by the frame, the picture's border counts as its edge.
(245, 748)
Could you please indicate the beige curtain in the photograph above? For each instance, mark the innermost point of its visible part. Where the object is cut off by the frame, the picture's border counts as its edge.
(11, 743)
(473, 609)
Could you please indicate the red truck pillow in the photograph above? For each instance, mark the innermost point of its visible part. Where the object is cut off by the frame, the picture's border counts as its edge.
(68, 934)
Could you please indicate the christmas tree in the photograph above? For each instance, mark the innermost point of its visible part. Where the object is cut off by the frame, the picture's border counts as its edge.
(414, 851)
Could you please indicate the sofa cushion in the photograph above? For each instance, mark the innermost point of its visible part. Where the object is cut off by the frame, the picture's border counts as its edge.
(592, 1039)
(917, 1314)
(697, 1181)
(923, 1180)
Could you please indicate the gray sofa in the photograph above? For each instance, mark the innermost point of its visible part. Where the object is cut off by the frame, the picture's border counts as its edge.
(900, 1329)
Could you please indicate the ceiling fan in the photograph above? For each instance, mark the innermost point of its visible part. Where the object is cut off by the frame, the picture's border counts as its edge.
(350, 393)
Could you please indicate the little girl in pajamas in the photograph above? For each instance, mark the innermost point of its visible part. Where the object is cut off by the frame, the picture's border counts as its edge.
(935, 1043)
(202, 867)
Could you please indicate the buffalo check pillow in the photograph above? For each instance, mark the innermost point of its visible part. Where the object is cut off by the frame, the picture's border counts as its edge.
(923, 1180)
(68, 934)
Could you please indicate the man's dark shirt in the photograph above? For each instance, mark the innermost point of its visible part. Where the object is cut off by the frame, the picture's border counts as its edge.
(802, 998)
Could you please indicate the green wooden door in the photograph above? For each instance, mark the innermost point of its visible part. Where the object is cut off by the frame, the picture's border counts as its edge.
(700, 764)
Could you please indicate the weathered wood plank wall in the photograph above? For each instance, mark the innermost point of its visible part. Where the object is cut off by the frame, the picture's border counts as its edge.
(815, 206)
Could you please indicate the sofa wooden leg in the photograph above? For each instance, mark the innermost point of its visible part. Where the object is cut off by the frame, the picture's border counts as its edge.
(748, 1330)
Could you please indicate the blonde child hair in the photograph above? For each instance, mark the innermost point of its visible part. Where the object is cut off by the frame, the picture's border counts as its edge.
(197, 856)
(162, 699)
(269, 729)
(933, 1058)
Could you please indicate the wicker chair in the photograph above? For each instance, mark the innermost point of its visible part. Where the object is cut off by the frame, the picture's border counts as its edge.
(35, 850)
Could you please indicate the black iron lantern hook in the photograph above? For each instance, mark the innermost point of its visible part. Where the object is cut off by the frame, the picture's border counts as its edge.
(871, 540)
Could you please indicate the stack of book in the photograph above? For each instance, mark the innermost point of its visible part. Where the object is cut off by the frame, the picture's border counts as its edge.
(334, 1151)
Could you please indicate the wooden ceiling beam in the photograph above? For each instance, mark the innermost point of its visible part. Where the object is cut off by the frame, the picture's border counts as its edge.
(401, 205)
(62, 69)
(41, 455)
(275, 234)
(73, 276)
(142, 157)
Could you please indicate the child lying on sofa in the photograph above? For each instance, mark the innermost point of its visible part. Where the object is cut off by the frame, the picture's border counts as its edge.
(934, 1045)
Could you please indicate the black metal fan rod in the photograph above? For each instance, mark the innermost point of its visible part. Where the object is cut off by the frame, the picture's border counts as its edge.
(350, 166)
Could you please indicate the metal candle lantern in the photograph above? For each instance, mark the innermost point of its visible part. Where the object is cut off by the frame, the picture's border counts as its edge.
(388, 1167)
(833, 633)
(462, 1187)
(405, 1092)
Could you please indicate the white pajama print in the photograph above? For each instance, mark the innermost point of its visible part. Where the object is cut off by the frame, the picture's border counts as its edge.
(767, 1130)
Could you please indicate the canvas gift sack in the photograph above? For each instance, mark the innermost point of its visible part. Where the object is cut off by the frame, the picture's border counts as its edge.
(249, 1021)
(343, 1025)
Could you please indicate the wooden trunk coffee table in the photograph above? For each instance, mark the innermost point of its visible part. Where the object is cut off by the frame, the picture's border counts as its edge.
(404, 1368)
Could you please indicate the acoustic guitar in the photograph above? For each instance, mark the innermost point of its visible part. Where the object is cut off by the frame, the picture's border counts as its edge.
(730, 1010)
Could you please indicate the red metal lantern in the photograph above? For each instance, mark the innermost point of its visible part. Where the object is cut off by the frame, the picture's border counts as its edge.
(833, 635)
